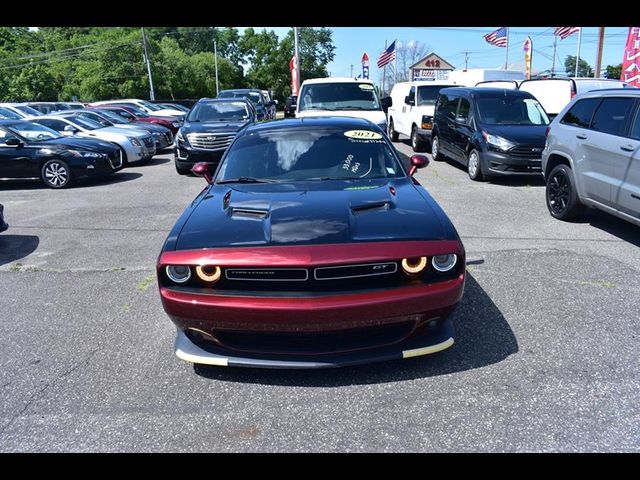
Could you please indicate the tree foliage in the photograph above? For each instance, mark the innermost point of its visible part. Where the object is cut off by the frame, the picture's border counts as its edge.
(584, 69)
(97, 63)
(614, 71)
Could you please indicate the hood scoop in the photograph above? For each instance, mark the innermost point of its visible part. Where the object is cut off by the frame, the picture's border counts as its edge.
(254, 213)
(371, 207)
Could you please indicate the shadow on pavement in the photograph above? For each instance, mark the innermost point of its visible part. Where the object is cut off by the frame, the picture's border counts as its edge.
(15, 247)
(117, 177)
(615, 226)
(150, 163)
(483, 337)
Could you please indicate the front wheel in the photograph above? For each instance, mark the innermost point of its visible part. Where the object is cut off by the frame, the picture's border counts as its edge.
(416, 143)
(56, 174)
(435, 149)
(393, 135)
(561, 194)
(474, 167)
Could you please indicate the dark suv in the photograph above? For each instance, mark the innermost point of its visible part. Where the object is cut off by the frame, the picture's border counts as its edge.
(257, 98)
(209, 128)
(493, 131)
(290, 105)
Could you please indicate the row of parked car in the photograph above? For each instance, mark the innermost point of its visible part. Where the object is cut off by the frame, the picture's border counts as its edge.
(66, 144)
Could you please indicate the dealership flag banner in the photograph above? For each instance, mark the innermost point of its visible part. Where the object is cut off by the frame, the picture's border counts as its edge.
(365, 65)
(295, 83)
(631, 59)
(528, 53)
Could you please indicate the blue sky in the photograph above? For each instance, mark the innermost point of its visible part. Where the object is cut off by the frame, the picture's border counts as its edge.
(451, 42)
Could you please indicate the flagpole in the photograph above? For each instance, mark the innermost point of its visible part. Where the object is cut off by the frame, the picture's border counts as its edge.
(384, 71)
(506, 53)
(395, 62)
(578, 54)
(553, 68)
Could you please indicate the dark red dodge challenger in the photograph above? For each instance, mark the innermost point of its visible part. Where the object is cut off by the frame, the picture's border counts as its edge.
(311, 247)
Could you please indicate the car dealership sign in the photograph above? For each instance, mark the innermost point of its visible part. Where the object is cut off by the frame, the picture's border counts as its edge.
(631, 59)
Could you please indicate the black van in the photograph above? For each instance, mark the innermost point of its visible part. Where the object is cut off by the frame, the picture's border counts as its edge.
(493, 131)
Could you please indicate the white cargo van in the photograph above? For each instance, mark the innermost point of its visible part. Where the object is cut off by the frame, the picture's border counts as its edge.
(411, 110)
(473, 76)
(343, 97)
(554, 93)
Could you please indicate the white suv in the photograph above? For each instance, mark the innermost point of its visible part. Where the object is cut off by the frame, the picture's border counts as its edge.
(411, 110)
(342, 97)
(592, 156)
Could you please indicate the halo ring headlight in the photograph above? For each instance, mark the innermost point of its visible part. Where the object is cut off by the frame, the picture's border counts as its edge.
(444, 263)
(208, 273)
(414, 266)
(178, 273)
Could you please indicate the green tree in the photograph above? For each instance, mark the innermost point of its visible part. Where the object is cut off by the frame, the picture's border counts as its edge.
(584, 69)
(614, 71)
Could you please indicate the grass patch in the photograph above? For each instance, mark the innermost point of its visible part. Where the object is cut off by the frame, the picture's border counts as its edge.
(143, 285)
(15, 267)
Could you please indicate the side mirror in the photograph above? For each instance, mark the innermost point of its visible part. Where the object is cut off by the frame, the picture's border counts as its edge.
(13, 142)
(461, 121)
(202, 169)
(418, 161)
(409, 100)
(386, 102)
(69, 130)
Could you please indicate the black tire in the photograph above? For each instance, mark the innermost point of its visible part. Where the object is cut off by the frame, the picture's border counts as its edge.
(393, 135)
(183, 171)
(416, 144)
(561, 194)
(56, 174)
(474, 166)
(435, 152)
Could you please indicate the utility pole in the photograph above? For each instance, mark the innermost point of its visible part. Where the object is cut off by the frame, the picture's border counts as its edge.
(466, 60)
(351, 71)
(215, 61)
(295, 46)
(152, 94)
(599, 57)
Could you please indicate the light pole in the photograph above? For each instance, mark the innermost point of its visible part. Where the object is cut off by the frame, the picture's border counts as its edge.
(152, 94)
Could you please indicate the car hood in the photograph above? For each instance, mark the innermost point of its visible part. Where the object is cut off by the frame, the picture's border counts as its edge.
(311, 213)
(210, 127)
(152, 127)
(92, 144)
(519, 134)
(168, 112)
(375, 116)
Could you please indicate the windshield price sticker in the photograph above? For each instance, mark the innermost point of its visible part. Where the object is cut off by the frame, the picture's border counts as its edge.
(365, 86)
(363, 134)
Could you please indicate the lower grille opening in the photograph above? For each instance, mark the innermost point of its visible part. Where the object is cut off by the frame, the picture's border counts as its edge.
(307, 343)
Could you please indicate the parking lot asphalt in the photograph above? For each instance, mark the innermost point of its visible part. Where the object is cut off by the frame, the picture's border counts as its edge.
(545, 359)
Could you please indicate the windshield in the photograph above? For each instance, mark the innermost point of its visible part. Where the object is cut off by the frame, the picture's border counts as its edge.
(310, 154)
(338, 96)
(28, 110)
(138, 112)
(34, 131)
(511, 110)
(114, 117)
(150, 106)
(95, 118)
(219, 112)
(85, 123)
(6, 113)
(428, 95)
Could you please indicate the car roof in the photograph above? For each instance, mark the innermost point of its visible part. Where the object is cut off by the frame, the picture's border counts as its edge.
(12, 122)
(225, 100)
(486, 92)
(242, 90)
(311, 122)
(612, 92)
(337, 80)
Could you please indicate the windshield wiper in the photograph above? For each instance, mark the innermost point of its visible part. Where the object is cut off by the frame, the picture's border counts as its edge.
(247, 180)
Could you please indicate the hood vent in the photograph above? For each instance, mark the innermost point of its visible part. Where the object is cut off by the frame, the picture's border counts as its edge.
(370, 207)
(249, 213)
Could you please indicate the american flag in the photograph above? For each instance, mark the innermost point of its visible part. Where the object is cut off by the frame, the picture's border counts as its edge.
(498, 37)
(389, 55)
(564, 32)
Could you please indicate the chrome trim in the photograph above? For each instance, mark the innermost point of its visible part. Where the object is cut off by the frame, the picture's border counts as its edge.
(210, 141)
(395, 269)
(226, 275)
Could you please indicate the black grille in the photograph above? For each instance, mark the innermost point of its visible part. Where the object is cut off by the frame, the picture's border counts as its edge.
(314, 343)
(148, 141)
(355, 271)
(527, 152)
(267, 274)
